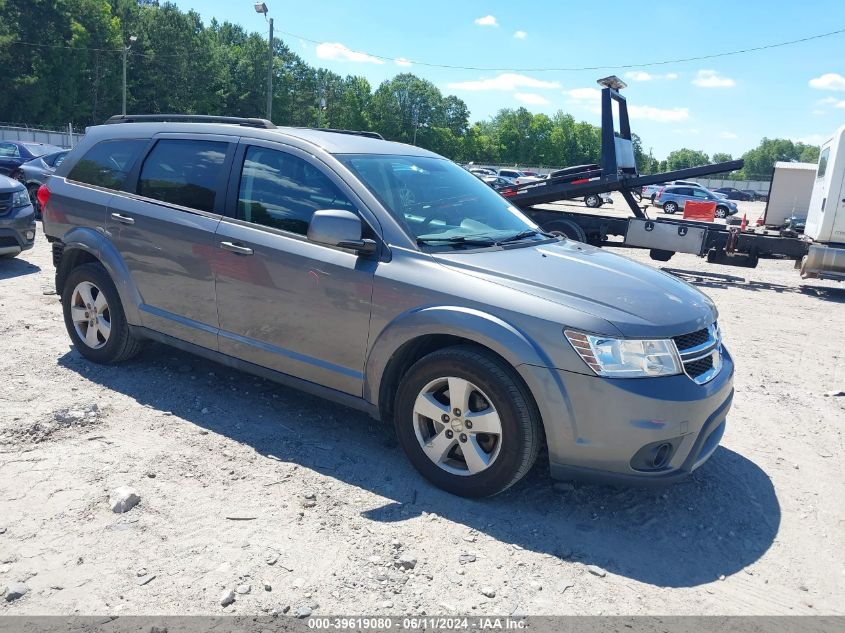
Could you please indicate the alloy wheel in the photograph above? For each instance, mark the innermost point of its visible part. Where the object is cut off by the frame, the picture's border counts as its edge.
(90, 314)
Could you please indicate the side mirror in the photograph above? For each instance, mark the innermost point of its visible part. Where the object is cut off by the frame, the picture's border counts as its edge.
(339, 228)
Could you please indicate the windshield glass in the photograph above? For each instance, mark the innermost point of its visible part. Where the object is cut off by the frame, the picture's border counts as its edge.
(437, 201)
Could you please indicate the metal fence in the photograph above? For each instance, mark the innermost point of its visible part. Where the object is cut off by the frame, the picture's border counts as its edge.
(17, 132)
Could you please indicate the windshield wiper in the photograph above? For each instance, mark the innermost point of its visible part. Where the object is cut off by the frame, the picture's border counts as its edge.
(522, 235)
(461, 240)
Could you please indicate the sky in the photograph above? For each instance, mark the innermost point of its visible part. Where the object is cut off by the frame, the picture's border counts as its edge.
(727, 104)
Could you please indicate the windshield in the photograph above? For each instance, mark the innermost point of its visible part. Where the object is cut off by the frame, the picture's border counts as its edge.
(439, 202)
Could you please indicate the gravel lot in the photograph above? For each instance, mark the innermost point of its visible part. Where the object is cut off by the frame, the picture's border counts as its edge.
(302, 506)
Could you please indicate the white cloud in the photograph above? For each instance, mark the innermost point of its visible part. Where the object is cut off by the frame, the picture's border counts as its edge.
(812, 139)
(658, 114)
(828, 81)
(727, 135)
(401, 61)
(712, 79)
(336, 51)
(506, 81)
(640, 75)
(520, 35)
(530, 98)
(687, 131)
(487, 20)
(584, 94)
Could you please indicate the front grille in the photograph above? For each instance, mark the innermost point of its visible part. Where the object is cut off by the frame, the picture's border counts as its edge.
(694, 339)
(697, 367)
(701, 353)
(8, 240)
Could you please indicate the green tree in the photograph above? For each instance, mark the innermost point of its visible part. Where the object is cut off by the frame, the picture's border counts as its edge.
(683, 158)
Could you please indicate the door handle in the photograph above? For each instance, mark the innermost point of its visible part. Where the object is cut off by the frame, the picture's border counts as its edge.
(236, 248)
(123, 219)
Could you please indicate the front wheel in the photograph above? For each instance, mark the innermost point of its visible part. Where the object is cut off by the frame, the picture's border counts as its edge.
(466, 421)
(670, 208)
(593, 201)
(94, 316)
(721, 212)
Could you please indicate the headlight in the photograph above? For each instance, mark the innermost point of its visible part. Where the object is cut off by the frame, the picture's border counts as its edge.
(20, 198)
(626, 358)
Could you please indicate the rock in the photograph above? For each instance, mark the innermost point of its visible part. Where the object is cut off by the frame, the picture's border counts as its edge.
(488, 591)
(386, 604)
(595, 570)
(536, 586)
(123, 499)
(303, 612)
(69, 416)
(309, 503)
(272, 558)
(15, 591)
(268, 586)
(406, 560)
(563, 486)
(395, 544)
(834, 394)
(141, 572)
(227, 598)
(466, 558)
(310, 495)
(470, 538)
(243, 589)
(2, 530)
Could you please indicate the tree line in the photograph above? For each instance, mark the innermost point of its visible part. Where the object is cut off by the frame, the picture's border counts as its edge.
(62, 62)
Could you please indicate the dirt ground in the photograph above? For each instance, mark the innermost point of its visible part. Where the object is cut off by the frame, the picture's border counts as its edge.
(246, 483)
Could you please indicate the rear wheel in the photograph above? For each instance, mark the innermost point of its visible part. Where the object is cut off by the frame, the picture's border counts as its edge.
(568, 229)
(670, 207)
(593, 201)
(466, 422)
(94, 316)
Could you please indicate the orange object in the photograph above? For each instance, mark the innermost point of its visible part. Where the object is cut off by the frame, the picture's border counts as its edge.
(694, 210)
(744, 223)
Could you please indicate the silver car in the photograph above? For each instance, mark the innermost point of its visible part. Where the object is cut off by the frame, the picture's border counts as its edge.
(673, 199)
(389, 279)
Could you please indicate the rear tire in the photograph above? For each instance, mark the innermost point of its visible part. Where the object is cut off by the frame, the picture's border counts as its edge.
(32, 189)
(494, 397)
(566, 228)
(721, 212)
(593, 201)
(106, 337)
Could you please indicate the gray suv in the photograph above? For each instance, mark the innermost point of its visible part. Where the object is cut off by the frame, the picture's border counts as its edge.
(389, 279)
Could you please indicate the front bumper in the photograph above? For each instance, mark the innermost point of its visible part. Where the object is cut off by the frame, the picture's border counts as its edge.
(17, 230)
(609, 429)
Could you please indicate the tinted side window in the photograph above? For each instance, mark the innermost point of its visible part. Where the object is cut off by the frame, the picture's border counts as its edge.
(184, 172)
(107, 163)
(282, 191)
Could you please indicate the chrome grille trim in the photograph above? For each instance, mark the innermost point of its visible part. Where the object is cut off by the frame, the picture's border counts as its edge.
(690, 356)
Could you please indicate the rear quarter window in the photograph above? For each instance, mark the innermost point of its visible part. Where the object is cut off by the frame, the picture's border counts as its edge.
(108, 163)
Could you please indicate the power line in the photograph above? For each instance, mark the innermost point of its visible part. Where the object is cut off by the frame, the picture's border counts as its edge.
(486, 68)
(605, 67)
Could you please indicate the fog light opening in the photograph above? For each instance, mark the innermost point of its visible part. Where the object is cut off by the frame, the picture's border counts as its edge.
(661, 455)
(30, 235)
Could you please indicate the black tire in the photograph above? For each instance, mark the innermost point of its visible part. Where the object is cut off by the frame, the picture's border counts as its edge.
(121, 344)
(520, 421)
(593, 201)
(566, 228)
(670, 207)
(721, 212)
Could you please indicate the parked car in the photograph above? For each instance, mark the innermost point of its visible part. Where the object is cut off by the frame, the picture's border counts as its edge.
(289, 253)
(34, 173)
(497, 182)
(651, 191)
(756, 195)
(518, 177)
(482, 171)
(794, 226)
(13, 154)
(731, 193)
(17, 218)
(673, 199)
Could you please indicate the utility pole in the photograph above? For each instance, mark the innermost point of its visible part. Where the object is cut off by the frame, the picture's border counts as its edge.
(261, 7)
(132, 40)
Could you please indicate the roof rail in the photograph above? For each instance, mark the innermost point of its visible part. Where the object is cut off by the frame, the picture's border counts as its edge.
(190, 118)
(351, 132)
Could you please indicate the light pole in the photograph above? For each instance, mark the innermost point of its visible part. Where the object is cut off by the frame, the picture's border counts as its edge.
(132, 40)
(261, 7)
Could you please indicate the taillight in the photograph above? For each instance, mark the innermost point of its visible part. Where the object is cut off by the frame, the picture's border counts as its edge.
(43, 196)
(507, 193)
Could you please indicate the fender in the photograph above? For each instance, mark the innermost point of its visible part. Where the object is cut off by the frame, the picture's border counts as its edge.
(98, 245)
(480, 327)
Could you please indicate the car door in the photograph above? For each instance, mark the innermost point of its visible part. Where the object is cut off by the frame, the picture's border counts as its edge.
(163, 225)
(284, 302)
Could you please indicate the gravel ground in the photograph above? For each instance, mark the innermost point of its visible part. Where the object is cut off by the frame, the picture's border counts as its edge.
(295, 505)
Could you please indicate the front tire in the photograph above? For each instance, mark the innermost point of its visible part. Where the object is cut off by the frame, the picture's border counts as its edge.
(94, 316)
(671, 208)
(466, 421)
(721, 212)
(593, 201)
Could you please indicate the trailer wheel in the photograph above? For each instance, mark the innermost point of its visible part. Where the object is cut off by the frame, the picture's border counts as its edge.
(568, 229)
(593, 201)
(670, 207)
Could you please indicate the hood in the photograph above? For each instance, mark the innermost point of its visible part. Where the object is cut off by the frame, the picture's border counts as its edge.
(638, 300)
(9, 184)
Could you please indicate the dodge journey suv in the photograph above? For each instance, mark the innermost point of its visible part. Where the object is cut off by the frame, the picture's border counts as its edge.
(391, 280)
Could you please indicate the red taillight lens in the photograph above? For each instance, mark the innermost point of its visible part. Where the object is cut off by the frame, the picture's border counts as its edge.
(43, 196)
(508, 193)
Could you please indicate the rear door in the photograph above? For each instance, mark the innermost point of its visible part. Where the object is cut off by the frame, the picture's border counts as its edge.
(163, 225)
(284, 302)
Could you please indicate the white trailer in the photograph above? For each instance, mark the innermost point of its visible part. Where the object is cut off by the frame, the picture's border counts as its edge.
(825, 228)
(789, 192)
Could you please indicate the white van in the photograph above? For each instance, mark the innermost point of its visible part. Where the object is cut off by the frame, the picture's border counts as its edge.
(826, 216)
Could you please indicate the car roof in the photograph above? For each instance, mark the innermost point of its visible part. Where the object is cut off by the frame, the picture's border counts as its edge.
(329, 141)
